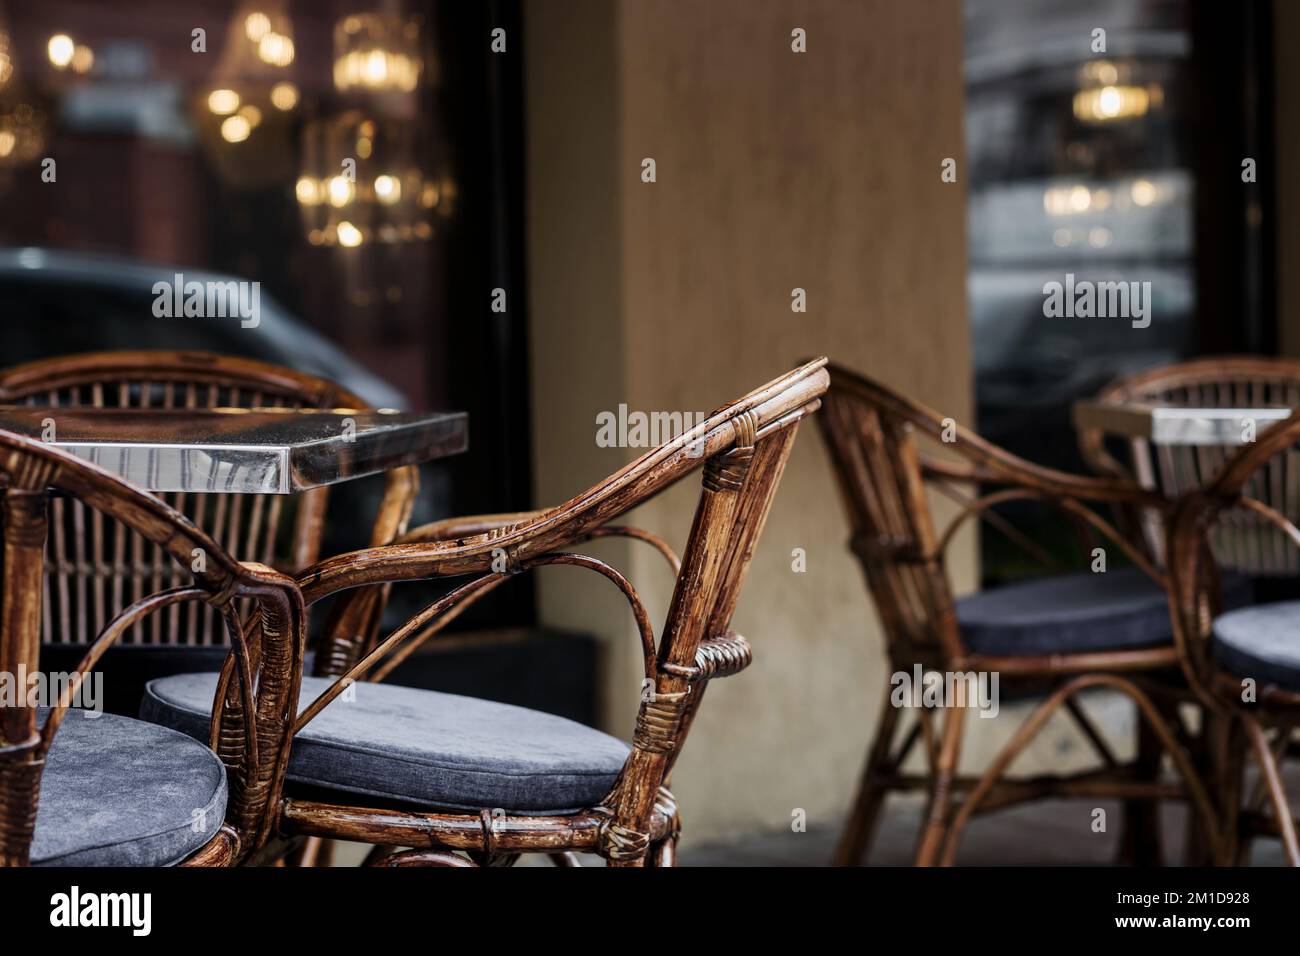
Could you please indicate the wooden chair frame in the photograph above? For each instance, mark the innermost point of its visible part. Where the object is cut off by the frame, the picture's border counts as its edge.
(1237, 728)
(883, 478)
(167, 379)
(258, 690)
(743, 448)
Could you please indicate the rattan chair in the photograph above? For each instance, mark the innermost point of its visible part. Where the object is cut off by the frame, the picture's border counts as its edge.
(1058, 635)
(462, 781)
(1244, 665)
(95, 567)
(112, 790)
(1244, 541)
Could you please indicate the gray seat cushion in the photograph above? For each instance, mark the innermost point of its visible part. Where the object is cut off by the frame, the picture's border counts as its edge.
(117, 791)
(1262, 642)
(1073, 613)
(425, 747)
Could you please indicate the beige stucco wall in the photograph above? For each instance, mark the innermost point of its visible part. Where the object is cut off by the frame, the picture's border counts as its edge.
(775, 170)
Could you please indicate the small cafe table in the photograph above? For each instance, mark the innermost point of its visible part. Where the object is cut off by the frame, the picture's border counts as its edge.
(1176, 425)
(241, 451)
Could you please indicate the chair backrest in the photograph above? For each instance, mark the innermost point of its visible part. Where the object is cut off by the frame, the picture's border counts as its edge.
(742, 448)
(259, 684)
(1242, 540)
(886, 481)
(95, 565)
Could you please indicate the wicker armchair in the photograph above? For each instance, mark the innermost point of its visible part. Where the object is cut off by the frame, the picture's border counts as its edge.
(1058, 635)
(464, 781)
(115, 791)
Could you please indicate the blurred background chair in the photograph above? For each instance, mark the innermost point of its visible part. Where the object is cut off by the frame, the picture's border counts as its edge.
(1244, 540)
(1244, 665)
(1059, 634)
(493, 781)
(96, 565)
(87, 789)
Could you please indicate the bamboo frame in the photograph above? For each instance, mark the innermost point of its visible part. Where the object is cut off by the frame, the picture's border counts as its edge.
(885, 481)
(742, 448)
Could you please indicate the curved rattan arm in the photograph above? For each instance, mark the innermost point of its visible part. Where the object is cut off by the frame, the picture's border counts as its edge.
(988, 462)
(467, 526)
(239, 746)
(762, 413)
(1194, 589)
(450, 529)
(1070, 506)
(439, 613)
(115, 628)
(1193, 574)
(271, 648)
(1233, 475)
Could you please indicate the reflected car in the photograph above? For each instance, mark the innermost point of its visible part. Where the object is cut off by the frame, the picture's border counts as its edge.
(57, 302)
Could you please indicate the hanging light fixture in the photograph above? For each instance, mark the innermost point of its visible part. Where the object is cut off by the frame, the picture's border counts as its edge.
(377, 53)
(244, 114)
(1107, 93)
(362, 183)
(22, 122)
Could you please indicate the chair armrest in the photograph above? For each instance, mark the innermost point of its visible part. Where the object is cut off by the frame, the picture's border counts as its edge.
(1237, 470)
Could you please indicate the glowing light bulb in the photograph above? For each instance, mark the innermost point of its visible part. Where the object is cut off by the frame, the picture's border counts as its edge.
(349, 235)
(235, 129)
(284, 96)
(61, 49)
(340, 192)
(256, 25)
(388, 189)
(223, 102)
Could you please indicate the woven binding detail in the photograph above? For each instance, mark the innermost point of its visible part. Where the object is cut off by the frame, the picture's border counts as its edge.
(24, 514)
(726, 472)
(658, 721)
(219, 599)
(618, 842)
(722, 656)
(20, 772)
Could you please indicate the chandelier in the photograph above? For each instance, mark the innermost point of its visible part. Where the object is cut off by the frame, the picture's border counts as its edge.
(244, 115)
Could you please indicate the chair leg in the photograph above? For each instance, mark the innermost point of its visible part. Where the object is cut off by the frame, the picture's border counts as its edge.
(1196, 791)
(1276, 792)
(1227, 752)
(941, 781)
(855, 840)
(1140, 832)
(663, 854)
(314, 851)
